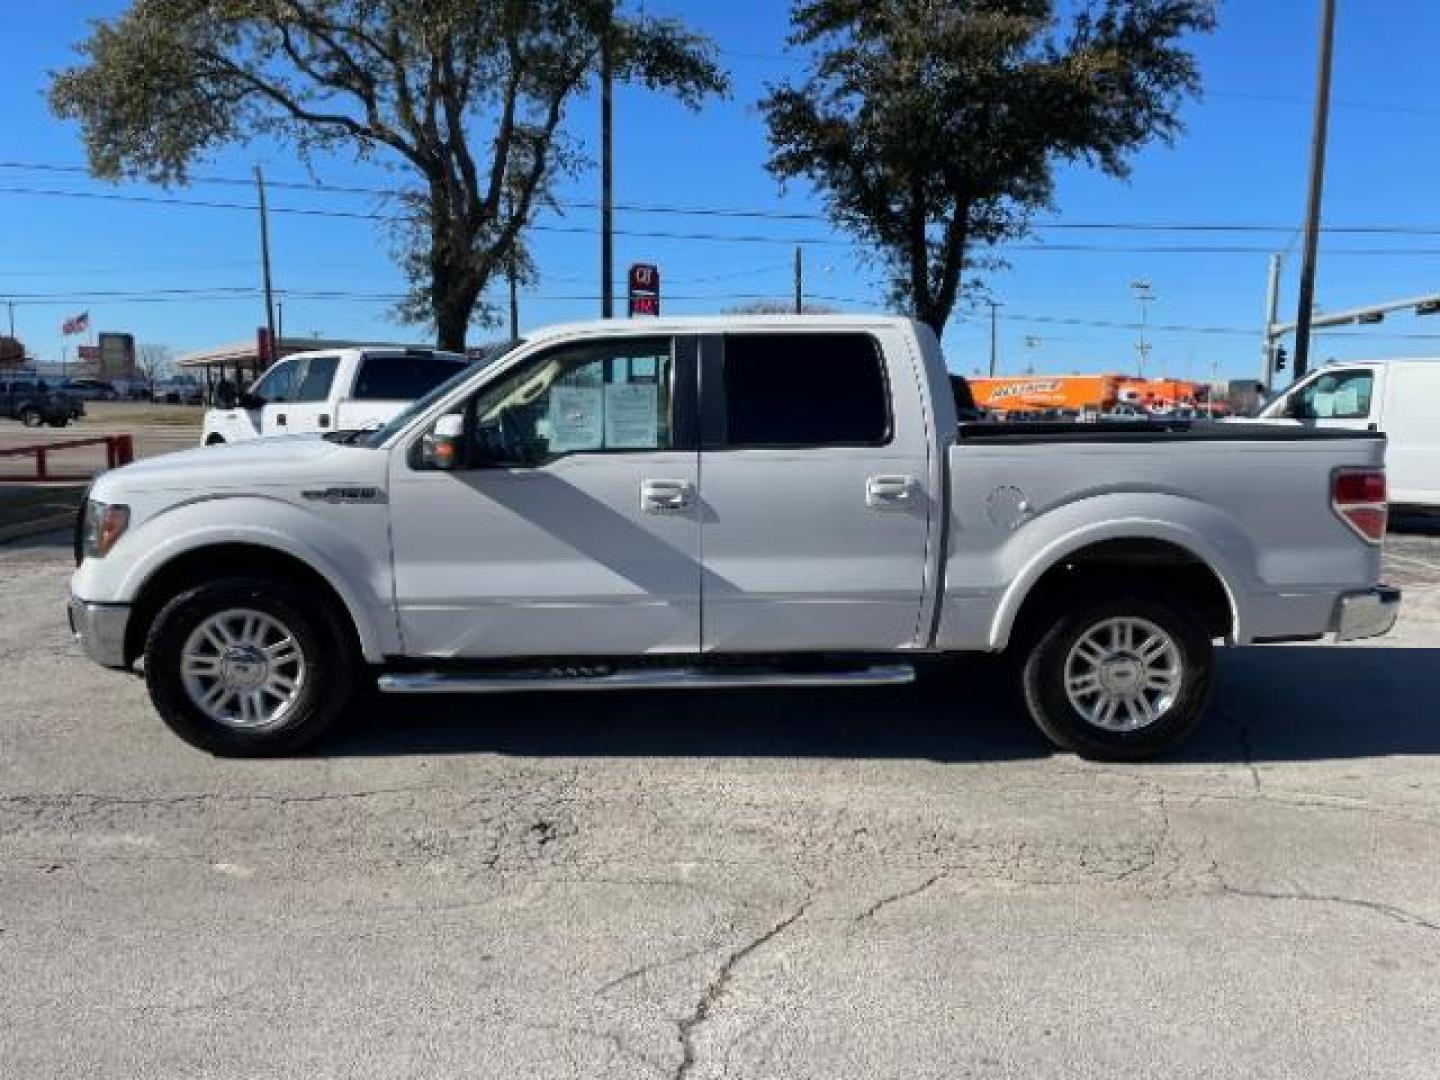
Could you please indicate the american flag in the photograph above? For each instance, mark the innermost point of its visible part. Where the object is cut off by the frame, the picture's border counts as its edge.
(76, 324)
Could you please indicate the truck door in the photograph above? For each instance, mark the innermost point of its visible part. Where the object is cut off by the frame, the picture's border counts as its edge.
(816, 508)
(571, 527)
(273, 391)
(1336, 398)
(310, 408)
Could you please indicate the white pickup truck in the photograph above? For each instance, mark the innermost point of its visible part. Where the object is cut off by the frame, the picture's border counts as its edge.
(741, 502)
(330, 390)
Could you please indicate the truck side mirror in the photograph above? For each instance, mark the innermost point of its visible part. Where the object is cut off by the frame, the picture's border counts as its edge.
(442, 446)
(248, 400)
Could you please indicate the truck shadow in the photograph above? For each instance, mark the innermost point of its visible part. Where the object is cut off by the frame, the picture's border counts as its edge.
(1280, 703)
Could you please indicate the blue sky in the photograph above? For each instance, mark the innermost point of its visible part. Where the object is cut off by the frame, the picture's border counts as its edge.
(1242, 160)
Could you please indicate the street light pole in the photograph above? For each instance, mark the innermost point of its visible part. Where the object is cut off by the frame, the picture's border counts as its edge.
(1318, 139)
(1272, 311)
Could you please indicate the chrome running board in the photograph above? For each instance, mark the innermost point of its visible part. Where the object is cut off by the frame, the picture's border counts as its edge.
(661, 678)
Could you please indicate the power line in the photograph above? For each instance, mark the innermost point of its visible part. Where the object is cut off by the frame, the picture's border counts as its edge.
(678, 209)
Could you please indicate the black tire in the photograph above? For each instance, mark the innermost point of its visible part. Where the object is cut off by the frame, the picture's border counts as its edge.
(1043, 676)
(215, 440)
(30, 417)
(332, 666)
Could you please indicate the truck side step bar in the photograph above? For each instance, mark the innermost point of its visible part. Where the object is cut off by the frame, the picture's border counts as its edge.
(659, 678)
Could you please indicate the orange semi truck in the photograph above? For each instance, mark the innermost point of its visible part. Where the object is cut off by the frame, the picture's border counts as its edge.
(1083, 393)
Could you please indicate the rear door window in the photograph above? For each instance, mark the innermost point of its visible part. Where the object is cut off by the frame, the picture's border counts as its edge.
(401, 378)
(805, 390)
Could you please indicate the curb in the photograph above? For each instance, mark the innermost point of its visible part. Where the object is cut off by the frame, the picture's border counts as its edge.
(36, 527)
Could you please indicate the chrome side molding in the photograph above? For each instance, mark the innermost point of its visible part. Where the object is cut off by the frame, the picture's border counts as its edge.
(684, 678)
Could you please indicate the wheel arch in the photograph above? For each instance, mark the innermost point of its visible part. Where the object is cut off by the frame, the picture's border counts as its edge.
(1144, 556)
(238, 558)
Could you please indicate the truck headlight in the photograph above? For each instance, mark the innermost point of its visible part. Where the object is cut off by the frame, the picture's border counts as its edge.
(105, 523)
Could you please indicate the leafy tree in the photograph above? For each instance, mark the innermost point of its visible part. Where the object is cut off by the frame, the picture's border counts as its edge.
(932, 127)
(466, 97)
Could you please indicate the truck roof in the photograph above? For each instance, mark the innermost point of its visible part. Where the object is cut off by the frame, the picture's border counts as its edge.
(717, 324)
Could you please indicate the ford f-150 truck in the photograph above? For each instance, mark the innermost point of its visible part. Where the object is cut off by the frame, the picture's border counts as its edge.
(740, 502)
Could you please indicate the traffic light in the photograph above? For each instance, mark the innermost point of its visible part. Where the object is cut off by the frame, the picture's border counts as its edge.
(1370, 318)
(1430, 307)
(1281, 358)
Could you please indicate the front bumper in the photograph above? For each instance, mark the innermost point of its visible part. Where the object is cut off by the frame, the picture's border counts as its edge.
(1367, 614)
(99, 629)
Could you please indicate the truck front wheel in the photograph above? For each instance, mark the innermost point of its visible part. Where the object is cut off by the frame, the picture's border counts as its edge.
(247, 668)
(1119, 678)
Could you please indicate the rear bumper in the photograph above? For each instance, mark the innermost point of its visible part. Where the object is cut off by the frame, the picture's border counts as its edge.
(99, 629)
(1367, 614)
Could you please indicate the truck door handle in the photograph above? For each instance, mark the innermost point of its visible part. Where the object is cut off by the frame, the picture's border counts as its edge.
(659, 496)
(324, 420)
(889, 490)
(280, 419)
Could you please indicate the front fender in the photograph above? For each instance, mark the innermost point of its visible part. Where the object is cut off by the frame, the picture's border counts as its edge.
(355, 569)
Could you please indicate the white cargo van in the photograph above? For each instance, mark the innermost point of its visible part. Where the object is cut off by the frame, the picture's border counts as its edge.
(1399, 397)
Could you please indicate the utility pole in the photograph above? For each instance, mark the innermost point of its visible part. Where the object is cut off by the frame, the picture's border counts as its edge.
(607, 211)
(1141, 288)
(1272, 312)
(11, 305)
(995, 305)
(279, 324)
(799, 282)
(265, 263)
(1318, 139)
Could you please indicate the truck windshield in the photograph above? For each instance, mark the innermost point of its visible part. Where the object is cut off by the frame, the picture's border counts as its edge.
(380, 435)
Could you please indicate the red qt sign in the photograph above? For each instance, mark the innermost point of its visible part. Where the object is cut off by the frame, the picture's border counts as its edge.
(644, 289)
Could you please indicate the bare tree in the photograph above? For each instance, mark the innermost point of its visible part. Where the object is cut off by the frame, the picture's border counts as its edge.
(778, 307)
(153, 361)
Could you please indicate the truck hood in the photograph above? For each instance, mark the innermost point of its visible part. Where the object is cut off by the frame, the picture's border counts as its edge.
(253, 465)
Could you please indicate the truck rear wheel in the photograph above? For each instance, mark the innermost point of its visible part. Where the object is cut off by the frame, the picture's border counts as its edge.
(249, 667)
(30, 417)
(1119, 678)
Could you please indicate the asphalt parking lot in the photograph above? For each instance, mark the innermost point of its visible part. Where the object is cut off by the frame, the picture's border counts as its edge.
(891, 883)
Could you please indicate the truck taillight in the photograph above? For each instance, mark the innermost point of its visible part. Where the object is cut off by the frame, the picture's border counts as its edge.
(1359, 497)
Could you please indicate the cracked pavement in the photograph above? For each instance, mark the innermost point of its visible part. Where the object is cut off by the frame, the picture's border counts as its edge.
(893, 883)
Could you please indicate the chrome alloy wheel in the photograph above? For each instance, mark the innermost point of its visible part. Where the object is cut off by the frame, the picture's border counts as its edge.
(243, 668)
(1124, 674)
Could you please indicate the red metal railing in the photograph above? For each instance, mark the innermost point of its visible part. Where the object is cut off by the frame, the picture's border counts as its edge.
(119, 450)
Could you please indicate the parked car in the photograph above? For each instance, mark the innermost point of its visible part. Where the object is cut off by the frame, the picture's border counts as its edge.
(738, 502)
(178, 390)
(330, 390)
(31, 400)
(89, 389)
(1399, 397)
(1127, 412)
(132, 389)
